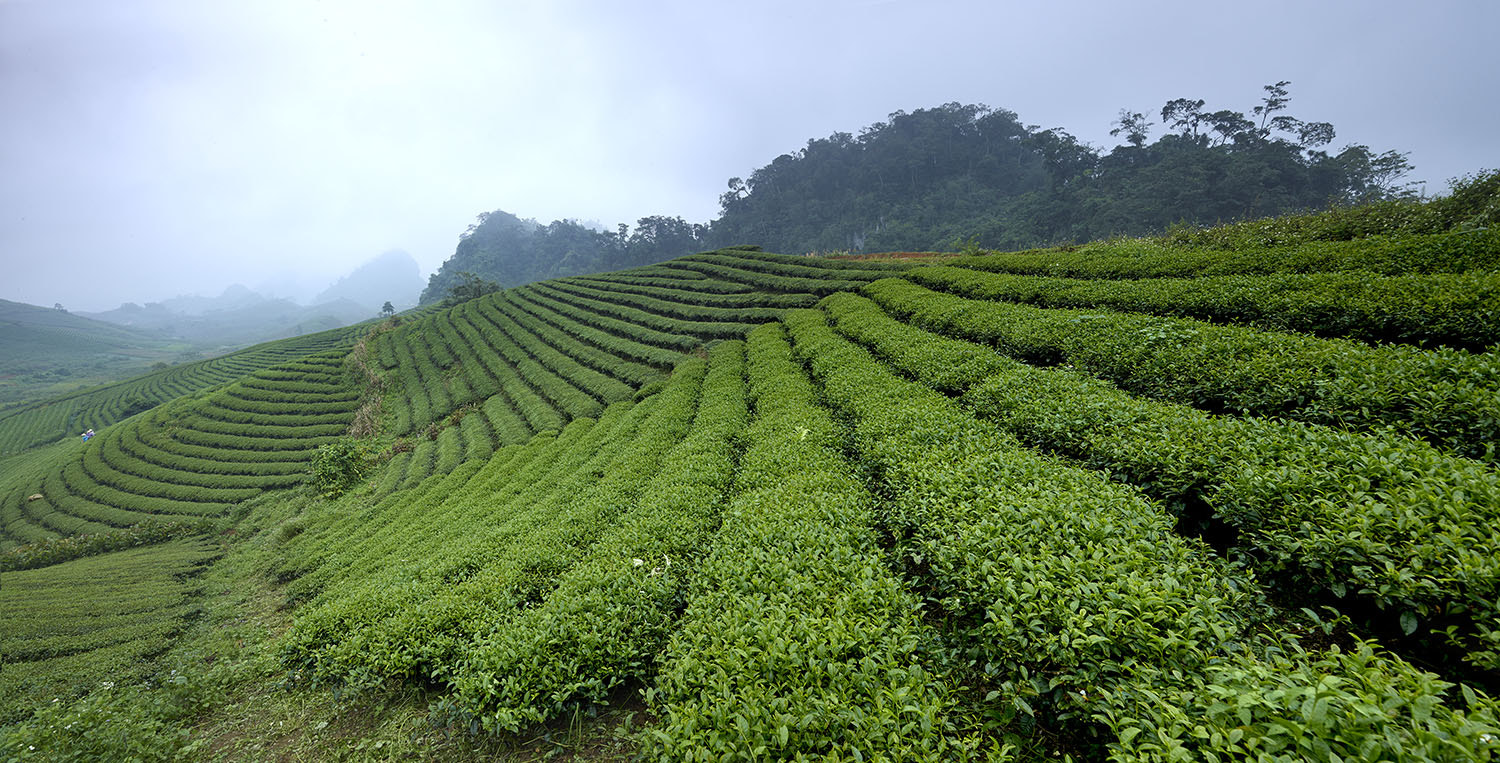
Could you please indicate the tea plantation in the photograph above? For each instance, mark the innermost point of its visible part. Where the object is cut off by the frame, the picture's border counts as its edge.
(1218, 495)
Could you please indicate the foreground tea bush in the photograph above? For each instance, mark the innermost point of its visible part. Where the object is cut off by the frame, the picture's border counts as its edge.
(611, 613)
(1085, 608)
(1384, 520)
(73, 625)
(1450, 309)
(1447, 397)
(1255, 253)
(797, 640)
(471, 550)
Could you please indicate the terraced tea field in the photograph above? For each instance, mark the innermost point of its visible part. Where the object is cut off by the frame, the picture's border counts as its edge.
(1138, 500)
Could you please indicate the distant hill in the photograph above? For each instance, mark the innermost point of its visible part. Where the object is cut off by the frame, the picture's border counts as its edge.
(510, 251)
(46, 352)
(235, 318)
(393, 277)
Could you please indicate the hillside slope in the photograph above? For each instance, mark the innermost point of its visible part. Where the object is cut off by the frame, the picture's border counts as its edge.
(46, 351)
(1005, 505)
(67, 415)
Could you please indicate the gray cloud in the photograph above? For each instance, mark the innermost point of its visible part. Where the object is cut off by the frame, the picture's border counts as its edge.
(164, 146)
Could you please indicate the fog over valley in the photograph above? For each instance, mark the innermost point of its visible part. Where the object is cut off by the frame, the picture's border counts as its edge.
(170, 148)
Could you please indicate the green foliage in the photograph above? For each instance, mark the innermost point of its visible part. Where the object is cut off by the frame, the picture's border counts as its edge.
(1451, 309)
(54, 550)
(75, 624)
(775, 272)
(1090, 614)
(492, 541)
(338, 466)
(1384, 520)
(512, 251)
(469, 287)
(1473, 203)
(920, 180)
(98, 407)
(1399, 255)
(609, 615)
(193, 458)
(1446, 397)
(869, 542)
(797, 639)
(115, 721)
(1335, 706)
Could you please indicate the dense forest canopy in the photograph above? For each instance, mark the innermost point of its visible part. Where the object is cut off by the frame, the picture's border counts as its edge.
(510, 251)
(926, 179)
(967, 173)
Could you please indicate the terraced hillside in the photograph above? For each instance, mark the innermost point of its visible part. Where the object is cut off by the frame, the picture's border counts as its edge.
(95, 408)
(75, 624)
(1087, 502)
(189, 459)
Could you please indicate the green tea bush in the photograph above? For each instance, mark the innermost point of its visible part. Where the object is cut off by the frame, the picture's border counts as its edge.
(1381, 519)
(730, 269)
(670, 307)
(338, 466)
(55, 550)
(798, 640)
(1399, 255)
(702, 327)
(1457, 310)
(597, 384)
(591, 355)
(474, 552)
(624, 342)
(1446, 397)
(611, 613)
(1089, 614)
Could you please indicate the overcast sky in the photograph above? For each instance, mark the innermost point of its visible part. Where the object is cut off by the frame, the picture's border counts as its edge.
(153, 147)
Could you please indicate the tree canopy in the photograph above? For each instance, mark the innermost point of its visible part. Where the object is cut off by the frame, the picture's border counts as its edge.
(928, 179)
(512, 251)
(925, 179)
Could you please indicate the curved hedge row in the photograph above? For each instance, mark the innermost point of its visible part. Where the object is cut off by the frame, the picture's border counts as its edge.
(607, 616)
(657, 349)
(689, 281)
(128, 453)
(466, 551)
(796, 636)
(669, 307)
(1040, 569)
(599, 384)
(1382, 519)
(1455, 252)
(1446, 397)
(585, 352)
(101, 618)
(193, 458)
(730, 269)
(702, 329)
(1453, 309)
(97, 407)
(687, 295)
(798, 267)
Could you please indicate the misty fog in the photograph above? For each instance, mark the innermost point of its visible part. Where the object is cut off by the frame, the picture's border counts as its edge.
(167, 148)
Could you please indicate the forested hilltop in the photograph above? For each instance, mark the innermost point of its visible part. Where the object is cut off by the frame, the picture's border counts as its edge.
(509, 251)
(939, 178)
